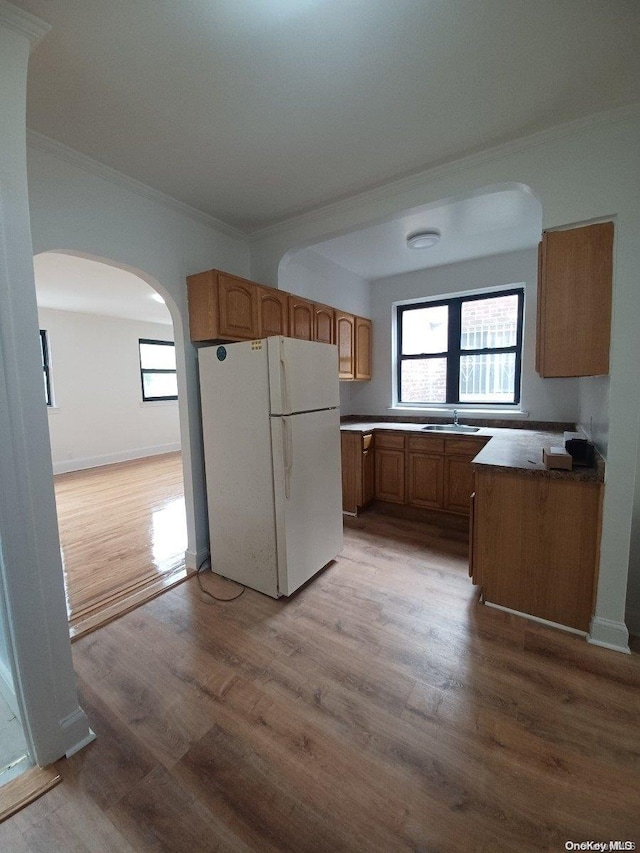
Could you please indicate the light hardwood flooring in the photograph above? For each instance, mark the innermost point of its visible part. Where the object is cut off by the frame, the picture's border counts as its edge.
(379, 709)
(122, 533)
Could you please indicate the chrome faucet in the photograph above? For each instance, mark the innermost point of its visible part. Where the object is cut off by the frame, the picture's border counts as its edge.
(455, 417)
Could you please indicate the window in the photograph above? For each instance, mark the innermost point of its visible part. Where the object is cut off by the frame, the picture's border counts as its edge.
(467, 349)
(158, 370)
(44, 355)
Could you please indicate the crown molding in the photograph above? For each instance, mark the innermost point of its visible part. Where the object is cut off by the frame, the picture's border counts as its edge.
(23, 22)
(63, 152)
(400, 186)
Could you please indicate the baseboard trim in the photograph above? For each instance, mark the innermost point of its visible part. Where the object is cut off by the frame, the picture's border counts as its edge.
(76, 730)
(194, 559)
(537, 619)
(66, 466)
(609, 634)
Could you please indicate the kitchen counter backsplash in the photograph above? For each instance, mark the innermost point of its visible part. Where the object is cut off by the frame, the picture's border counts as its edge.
(536, 426)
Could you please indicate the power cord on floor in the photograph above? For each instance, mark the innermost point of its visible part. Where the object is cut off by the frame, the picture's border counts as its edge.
(201, 568)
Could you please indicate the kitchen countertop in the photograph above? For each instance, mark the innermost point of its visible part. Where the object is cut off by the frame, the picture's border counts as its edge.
(514, 449)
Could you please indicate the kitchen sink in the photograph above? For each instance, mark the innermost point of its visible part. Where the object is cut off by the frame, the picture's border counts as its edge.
(451, 428)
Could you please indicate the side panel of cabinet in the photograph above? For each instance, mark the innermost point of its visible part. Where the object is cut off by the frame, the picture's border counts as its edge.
(273, 312)
(345, 339)
(324, 324)
(363, 348)
(301, 318)
(368, 476)
(238, 308)
(350, 446)
(536, 545)
(425, 479)
(202, 296)
(389, 471)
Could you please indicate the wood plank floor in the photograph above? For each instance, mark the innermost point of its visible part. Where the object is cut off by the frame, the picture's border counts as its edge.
(379, 709)
(122, 530)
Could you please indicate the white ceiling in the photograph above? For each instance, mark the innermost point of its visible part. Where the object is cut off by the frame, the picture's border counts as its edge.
(255, 110)
(69, 283)
(504, 220)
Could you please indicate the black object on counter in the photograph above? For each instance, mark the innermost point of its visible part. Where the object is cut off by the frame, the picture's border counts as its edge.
(582, 452)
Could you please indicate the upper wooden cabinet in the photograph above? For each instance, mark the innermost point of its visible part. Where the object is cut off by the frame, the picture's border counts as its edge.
(363, 348)
(574, 301)
(345, 339)
(353, 337)
(273, 312)
(222, 307)
(324, 323)
(301, 318)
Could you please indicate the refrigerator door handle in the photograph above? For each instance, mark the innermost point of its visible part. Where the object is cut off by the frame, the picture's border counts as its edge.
(284, 372)
(287, 452)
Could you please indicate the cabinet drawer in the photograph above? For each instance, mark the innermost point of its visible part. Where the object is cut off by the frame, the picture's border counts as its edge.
(465, 446)
(366, 441)
(391, 440)
(427, 443)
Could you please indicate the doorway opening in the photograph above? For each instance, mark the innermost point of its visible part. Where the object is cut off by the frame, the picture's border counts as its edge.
(110, 378)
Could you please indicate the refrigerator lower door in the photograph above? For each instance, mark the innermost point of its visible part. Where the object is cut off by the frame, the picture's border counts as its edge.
(308, 494)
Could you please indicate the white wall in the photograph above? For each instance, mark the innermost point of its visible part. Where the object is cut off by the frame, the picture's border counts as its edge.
(309, 274)
(98, 415)
(80, 207)
(544, 400)
(581, 172)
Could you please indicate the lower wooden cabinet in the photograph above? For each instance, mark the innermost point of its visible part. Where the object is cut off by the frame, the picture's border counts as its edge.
(425, 479)
(358, 472)
(390, 475)
(535, 544)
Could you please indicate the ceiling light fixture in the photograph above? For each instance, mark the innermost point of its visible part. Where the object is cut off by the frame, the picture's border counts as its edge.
(157, 297)
(423, 239)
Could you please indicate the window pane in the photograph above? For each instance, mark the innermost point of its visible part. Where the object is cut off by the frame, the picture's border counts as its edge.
(160, 384)
(424, 380)
(157, 357)
(488, 378)
(425, 330)
(489, 322)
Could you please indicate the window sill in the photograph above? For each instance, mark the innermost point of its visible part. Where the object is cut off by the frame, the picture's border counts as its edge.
(145, 403)
(501, 414)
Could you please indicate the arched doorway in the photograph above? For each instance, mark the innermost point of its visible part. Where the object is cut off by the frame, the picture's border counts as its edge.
(111, 381)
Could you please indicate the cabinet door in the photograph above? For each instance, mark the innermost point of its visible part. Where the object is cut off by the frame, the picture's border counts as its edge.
(574, 326)
(273, 312)
(238, 308)
(324, 324)
(458, 483)
(368, 476)
(425, 479)
(363, 348)
(345, 339)
(389, 471)
(300, 318)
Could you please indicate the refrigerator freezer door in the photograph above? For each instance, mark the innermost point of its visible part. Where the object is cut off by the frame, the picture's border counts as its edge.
(308, 494)
(303, 376)
(234, 393)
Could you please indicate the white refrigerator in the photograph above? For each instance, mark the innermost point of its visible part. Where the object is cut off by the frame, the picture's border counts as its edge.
(271, 429)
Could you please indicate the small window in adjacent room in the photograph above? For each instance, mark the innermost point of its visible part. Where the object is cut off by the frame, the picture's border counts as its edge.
(158, 370)
(467, 349)
(46, 366)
